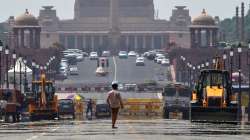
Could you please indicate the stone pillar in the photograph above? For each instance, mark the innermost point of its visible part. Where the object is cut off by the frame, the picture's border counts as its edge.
(136, 43)
(127, 42)
(208, 39)
(22, 38)
(152, 42)
(193, 37)
(144, 43)
(214, 37)
(92, 43)
(199, 38)
(16, 35)
(66, 41)
(38, 38)
(84, 42)
(162, 42)
(31, 38)
(76, 43)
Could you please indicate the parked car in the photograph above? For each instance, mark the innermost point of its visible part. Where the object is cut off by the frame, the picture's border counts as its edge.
(93, 56)
(132, 54)
(106, 54)
(140, 61)
(66, 108)
(165, 62)
(73, 70)
(123, 54)
(102, 109)
(159, 59)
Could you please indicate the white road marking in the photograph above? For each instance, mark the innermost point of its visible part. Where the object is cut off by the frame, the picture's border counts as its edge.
(115, 74)
(42, 134)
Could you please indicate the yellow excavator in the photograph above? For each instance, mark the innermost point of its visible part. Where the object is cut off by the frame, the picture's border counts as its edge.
(43, 103)
(212, 99)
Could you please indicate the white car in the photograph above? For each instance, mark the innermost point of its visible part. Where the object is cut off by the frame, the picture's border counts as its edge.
(123, 54)
(140, 61)
(132, 54)
(165, 62)
(159, 59)
(106, 54)
(79, 57)
(93, 56)
(73, 70)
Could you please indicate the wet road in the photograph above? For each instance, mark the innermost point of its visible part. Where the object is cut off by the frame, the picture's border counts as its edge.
(122, 70)
(128, 130)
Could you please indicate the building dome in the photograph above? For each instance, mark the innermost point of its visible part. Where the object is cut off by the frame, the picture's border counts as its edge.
(26, 19)
(204, 19)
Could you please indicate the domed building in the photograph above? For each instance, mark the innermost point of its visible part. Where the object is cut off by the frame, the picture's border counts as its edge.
(204, 31)
(26, 31)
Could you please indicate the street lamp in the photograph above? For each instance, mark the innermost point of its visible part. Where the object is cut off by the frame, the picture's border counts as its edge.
(37, 71)
(207, 64)
(239, 80)
(1, 49)
(20, 72)
(25, 74)
(231, 54)
(202, 66)
(248, 62)
(14, 60)
(224, 59)
(7, 66)
(33, 63)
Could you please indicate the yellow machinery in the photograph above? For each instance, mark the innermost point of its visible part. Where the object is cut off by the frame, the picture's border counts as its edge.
(43, 101)
(212, 98)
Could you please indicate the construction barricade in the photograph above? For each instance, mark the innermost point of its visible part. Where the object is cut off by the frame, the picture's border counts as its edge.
(142, 107)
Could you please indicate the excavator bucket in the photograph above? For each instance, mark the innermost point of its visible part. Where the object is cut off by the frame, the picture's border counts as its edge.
(214, 114)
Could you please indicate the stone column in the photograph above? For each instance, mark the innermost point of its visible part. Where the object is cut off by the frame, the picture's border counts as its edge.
(214, 37)
(144, 43)
(127, 42)
(38, 38)
(192, 36)
(84, 42)
(31, 38)
(152, 42)
(16, 35)
(92, 43)
(162, 42)
(66, 41)
(199, 38)
(208, 39)
(136, 43)
(22, 38)
(76, 43)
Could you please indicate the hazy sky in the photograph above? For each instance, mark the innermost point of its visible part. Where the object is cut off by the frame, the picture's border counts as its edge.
(222, 8)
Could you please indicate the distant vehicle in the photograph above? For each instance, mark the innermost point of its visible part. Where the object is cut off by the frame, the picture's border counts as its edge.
(165, 62)
(66, 108)
(93, 56)
(140, 61)
(85, 54)
(176, 99)
(102, 109)
(73, 70)
(102, 66)
(132, 54)
(123, 54)
(159, 59)
(106, 54)
(79, 57)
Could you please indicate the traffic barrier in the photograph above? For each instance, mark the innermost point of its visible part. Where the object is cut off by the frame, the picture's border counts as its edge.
(142, 107)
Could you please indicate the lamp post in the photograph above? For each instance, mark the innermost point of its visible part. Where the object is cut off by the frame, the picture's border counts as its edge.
(48, 69)
(214, 61)
(1, 49)
(7, 66)
(239, 79)
(248, 62)
(37, 71)
(231, 53)
(14, 60)
(224, 60)
(20, 73)
(33, 64)
(207, 64)
(25, 74)
(194, 75)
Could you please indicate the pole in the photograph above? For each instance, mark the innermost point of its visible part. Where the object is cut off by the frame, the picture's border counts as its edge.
(25, 78)
(20, 74)
(239, 78)
(248, 111)
(14, 73)
(7, 67)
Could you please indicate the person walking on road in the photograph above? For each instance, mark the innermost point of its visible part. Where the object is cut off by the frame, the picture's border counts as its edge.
(89, 109)
(114, 101)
